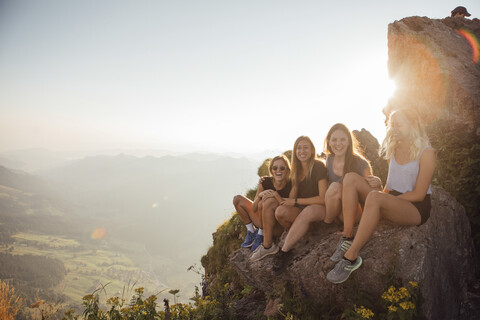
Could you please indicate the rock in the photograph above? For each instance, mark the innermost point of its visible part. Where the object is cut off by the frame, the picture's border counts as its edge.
(370, 148)
(438, 255)
(432, 65)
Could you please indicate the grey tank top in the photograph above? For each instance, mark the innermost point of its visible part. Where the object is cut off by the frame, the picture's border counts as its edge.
(403, 177)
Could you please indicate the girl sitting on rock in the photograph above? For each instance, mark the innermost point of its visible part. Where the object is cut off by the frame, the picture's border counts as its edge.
(406, 197)
(260, 213)
(307, 204)
(350, 180)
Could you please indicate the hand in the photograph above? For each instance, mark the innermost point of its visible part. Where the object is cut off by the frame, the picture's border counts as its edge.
(267, 194)
(288, 202)
(374, 182)
(260, 181)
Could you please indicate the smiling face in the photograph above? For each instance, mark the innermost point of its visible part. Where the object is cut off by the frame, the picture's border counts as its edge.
(339, 143)
(279, 170)
(304, 151)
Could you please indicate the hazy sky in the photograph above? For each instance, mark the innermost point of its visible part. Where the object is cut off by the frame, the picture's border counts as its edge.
(223, 76)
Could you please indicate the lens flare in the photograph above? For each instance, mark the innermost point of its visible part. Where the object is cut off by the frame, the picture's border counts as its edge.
(99, 233)
(473, 41)
(156, 204)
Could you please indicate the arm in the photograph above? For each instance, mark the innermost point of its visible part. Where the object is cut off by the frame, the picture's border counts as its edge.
(373, 181)
(425, 174)
(257, 199)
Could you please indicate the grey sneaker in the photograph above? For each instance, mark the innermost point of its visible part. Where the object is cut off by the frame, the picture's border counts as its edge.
(342, 247)
(261, 252)
(342, 270)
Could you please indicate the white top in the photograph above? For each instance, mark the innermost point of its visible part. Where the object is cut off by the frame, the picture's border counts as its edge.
(403, 177)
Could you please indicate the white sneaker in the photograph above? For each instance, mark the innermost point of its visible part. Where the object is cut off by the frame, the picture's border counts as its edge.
(261, 252)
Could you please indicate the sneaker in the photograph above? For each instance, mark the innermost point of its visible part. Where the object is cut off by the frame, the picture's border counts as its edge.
(343, 269)
(257, 242)
(280, 262)
(261, 252)
(342, 247)
(249, 239)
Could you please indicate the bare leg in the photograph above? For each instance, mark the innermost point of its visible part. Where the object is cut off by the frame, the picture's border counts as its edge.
(382, 205)
(271, 227)
(355, 188)
(301, 224)
(333, 201)
(243, 206)
(285, 215)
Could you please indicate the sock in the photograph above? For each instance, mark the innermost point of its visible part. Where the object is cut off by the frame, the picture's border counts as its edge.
(352, 261)
(250, 227)
(260, 232)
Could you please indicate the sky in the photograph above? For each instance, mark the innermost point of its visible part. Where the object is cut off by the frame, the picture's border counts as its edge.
(191, 75)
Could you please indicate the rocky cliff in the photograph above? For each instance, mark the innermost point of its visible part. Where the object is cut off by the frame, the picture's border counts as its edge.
(438, 255)
(435, 66)
(436, 70)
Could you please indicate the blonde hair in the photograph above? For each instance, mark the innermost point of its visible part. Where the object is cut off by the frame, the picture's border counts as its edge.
(287, 165)
(353, 153)
(297, 170)
(416, 136)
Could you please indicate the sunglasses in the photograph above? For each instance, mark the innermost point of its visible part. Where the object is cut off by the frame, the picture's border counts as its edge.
(274, 168)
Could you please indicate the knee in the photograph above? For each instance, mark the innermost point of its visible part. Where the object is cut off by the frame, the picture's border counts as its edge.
(374, 197)
(351, 178)
(270, 203)
(236, 200)
(280, 213)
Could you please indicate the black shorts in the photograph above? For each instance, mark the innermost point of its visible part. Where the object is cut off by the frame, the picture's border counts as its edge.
(422, 206)
(300, 206)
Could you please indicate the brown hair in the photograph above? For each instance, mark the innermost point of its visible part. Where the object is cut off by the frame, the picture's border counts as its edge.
(353, 150)
(297, 170)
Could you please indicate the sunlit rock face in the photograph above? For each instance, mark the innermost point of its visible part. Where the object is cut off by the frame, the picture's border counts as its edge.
(437, 254)
(436, 68)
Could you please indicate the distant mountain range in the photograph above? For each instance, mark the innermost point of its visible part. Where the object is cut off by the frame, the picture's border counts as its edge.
(34, 160)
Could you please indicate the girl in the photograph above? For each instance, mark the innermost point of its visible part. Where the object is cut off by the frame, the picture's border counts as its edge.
(349, 174)
(270, 192)
(406, 197)
(280, 181)
(307, 204)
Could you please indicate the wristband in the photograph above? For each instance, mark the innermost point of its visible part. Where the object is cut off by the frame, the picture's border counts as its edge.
(296, 202)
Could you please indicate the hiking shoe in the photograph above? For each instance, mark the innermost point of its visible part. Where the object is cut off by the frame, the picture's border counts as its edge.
(249, 239)
(343, 269)
(257, 242)
(261, 252)
(280, 262)
(342, 247)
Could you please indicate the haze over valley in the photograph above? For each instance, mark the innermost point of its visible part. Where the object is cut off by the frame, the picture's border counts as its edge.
(156, 214)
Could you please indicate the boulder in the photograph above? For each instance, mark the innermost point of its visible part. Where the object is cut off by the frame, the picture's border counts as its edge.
(370, 147)
(438, 255)
(434, 63)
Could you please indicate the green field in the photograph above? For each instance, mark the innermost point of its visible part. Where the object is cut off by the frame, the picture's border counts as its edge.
(88, 268)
